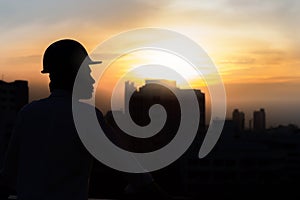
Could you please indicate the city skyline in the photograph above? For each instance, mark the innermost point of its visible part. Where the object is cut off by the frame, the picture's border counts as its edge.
(234, 114)
(246, 157)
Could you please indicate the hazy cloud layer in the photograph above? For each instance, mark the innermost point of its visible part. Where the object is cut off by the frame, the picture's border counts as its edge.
(20, 13)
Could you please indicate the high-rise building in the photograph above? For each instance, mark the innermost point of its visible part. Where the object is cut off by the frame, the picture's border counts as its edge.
(159, 91)
(129, 90)
(238, 120)
(13, 96)
(156, 92)
(259, 120)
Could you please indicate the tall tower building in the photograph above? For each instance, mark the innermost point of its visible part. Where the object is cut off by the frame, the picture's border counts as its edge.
(259, 120)
(158, 91)
(238, 119)
(155, 91)
(164, 93)
(13, 96)
(129, 90)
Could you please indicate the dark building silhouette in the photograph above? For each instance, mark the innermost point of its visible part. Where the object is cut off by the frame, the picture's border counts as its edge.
(238, 120)
(259, 120)
(156, 92)
(13, 96)
(159, 91)
(249, 166)
(139, 101)
(129, 89)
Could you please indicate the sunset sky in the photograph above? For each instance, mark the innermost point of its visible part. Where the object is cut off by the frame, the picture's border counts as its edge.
(254, 43)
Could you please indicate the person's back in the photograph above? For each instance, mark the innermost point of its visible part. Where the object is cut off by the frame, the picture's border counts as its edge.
(46, 159)
(51, 154)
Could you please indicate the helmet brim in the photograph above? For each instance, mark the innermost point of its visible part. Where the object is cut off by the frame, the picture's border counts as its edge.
(95, 62)
(90, 62)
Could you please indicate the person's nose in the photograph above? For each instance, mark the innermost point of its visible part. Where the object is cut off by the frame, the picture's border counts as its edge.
(92, 79)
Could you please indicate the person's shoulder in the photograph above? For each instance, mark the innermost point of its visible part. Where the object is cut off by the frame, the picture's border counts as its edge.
(86, 106)
(34, 105)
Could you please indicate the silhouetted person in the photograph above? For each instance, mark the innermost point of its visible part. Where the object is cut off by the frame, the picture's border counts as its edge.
(46, 158)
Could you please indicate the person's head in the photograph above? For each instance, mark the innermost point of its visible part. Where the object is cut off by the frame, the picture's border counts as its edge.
(62, 60)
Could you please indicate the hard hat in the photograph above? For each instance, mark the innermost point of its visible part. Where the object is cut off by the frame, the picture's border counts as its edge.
(65, 55)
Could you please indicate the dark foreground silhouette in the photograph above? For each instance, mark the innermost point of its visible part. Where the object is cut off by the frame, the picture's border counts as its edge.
(46, 158)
